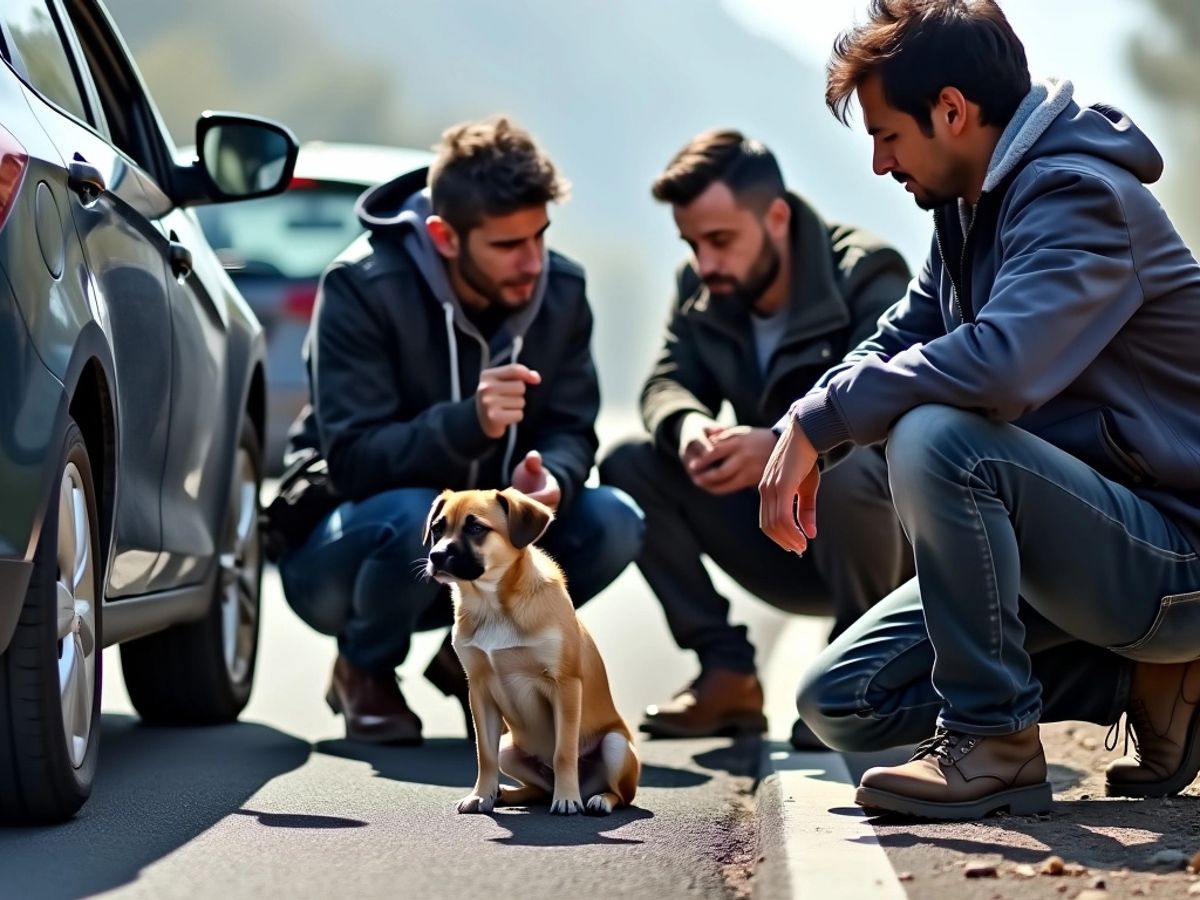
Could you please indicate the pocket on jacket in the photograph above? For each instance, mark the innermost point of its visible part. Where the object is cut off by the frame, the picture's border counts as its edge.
(1128, 461)
(1174, 636)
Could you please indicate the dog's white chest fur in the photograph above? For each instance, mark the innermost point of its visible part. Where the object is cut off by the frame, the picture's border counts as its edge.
(495, 634)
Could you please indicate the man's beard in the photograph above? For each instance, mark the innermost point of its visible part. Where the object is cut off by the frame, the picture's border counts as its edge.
(490, 289)
(929, 200)
(761, 276)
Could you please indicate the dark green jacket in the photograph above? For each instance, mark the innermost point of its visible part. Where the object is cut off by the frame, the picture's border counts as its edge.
(843, 279)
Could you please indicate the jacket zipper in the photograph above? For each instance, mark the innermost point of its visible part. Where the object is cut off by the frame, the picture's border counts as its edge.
(938, 225)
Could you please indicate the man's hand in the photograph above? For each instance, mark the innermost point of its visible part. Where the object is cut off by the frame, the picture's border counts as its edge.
(530, 477)
(788, 491)
(736, 460)
(500, 397)
(696, 434)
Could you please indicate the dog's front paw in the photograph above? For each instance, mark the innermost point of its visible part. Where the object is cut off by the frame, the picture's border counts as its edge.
(566, 806)
(599, 805)
(475, 803)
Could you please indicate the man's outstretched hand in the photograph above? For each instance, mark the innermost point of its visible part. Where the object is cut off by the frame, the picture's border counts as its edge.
(532, 478)
(788, 491)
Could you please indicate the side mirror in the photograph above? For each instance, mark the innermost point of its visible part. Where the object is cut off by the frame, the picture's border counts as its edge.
(243, 156)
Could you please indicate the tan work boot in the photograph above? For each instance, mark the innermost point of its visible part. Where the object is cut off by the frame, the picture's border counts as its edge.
(958, 776)
(1164, 716)
(719, 702)
(374, 708)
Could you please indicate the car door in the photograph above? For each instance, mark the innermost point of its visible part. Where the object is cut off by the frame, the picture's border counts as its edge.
(192, 349)
(124, 274)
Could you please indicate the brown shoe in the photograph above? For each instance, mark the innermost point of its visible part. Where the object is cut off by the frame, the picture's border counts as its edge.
(719, 702)
(445, 672)
(957, 776)
(1164, 717)
(372, 705)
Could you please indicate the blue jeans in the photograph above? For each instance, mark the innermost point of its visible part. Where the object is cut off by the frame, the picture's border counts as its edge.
(1038, 581)
(358, 576)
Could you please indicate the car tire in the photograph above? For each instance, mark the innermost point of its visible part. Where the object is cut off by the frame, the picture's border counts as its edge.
(201, 672)
(51, 672)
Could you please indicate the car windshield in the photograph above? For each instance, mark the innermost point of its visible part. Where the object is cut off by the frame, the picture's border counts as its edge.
(295, 234)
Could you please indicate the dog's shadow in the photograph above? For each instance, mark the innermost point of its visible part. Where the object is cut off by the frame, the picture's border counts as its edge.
(534, 826)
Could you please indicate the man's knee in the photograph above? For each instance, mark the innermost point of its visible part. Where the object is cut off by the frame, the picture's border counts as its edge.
(634, 465)
(830, 706)
(619, 525)
(931, 439)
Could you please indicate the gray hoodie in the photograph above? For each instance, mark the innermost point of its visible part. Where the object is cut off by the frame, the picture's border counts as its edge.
(1065, 303)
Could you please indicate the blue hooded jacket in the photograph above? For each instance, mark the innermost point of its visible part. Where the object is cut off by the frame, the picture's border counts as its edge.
(1065, 302)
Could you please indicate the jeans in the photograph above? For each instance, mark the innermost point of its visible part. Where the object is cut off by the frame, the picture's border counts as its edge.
(861, 554)
(1038, 581)
(359, 575)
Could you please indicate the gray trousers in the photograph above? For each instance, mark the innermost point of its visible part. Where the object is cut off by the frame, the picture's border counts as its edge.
(860, 554)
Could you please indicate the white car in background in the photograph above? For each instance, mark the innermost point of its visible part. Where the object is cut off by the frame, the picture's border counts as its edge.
(276, 248)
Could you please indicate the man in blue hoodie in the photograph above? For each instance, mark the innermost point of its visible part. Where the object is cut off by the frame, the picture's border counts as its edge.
(449, 349)
(1039, 391)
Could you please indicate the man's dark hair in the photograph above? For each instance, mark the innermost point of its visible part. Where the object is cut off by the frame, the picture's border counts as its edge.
(919, 47)
(489, 168)
(745, 166)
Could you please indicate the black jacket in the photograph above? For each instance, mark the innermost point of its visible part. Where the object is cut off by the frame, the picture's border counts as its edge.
(843, 279)
(390, 408)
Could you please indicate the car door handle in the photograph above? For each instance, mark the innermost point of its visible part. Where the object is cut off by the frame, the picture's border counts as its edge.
(85, 180)
(181, 260)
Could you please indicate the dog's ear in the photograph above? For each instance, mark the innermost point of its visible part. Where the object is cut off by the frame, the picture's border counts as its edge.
(527, 518)
(434, 511)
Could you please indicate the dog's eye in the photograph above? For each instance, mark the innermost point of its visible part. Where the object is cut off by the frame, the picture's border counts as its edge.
(436, 529)
(475, 529)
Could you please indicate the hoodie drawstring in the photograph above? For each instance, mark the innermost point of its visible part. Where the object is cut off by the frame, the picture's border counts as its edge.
(505, 472)
(455, 384)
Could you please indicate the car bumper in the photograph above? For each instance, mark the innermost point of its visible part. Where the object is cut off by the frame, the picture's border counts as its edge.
(14, 581)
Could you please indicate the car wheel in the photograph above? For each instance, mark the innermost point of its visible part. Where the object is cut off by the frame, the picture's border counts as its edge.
(202, 672)
(50, 674)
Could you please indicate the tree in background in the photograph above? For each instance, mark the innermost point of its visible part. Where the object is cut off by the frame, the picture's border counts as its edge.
(1168, 67)
(264, 57)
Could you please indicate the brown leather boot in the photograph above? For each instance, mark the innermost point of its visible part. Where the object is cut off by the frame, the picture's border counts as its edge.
(957, 776)
(372, 705)
(445, 672)
(719, 702)
(1164, 716)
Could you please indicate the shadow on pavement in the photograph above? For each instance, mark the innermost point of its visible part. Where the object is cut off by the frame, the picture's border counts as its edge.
(742, 756)
(156, 790)
(450, 762)
(535, 827)
(1083, 831)
(300, 820)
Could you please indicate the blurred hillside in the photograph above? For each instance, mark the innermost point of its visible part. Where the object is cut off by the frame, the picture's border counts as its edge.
(611, 89)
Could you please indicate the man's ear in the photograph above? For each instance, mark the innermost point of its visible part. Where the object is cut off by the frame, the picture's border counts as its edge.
(527, 518)
(443, 235)
(434, 511)
(954, 109)
(778, 218)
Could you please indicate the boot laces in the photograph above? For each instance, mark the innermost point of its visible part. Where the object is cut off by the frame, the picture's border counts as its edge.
(1136, 719)
(943, 744)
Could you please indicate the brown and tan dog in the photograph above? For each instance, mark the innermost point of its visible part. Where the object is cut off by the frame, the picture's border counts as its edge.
(529, 661)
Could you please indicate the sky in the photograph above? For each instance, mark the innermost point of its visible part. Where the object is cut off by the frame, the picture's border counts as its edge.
(1085, 41)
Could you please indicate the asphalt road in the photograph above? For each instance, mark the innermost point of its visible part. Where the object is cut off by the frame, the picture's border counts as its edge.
(280, 804)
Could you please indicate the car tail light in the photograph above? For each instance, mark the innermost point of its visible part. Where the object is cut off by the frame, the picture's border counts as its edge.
(302, 183)
(13, 162)
(299, 300)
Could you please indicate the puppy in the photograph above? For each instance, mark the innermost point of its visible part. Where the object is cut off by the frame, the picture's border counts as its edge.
(529, 661)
